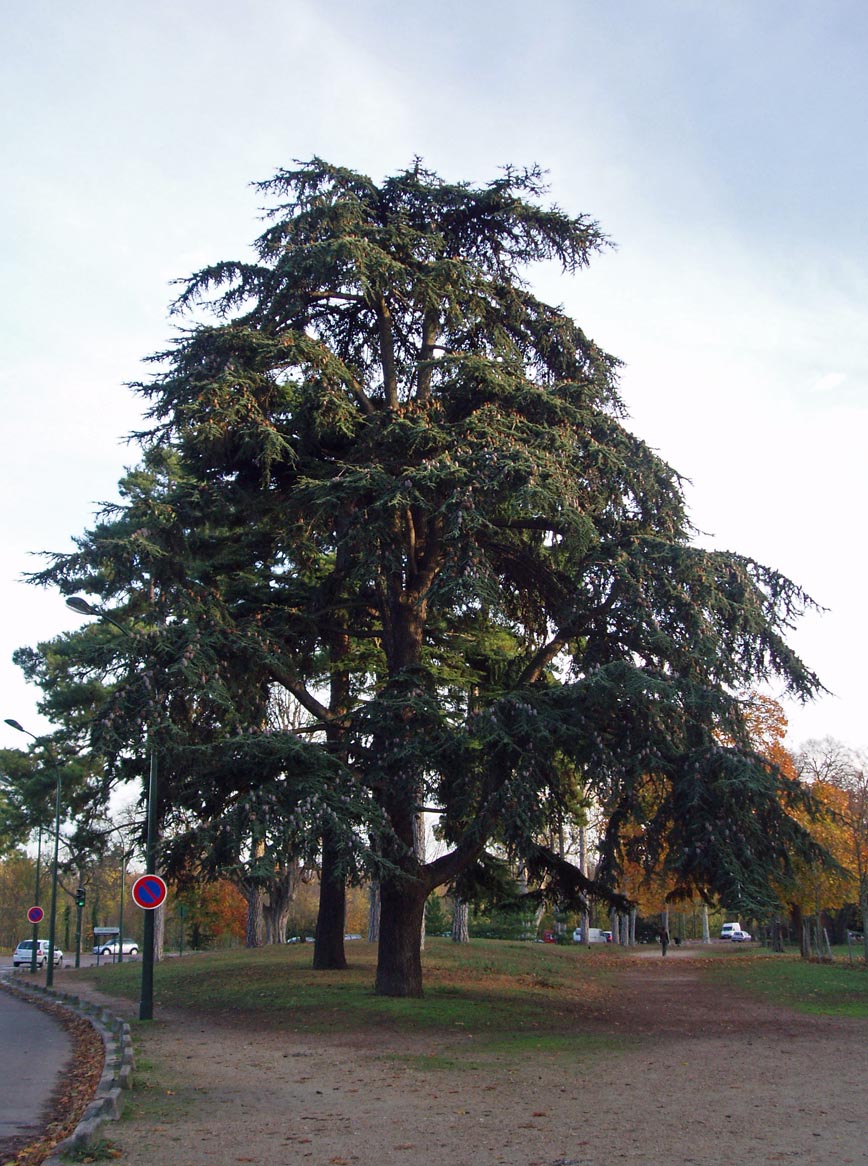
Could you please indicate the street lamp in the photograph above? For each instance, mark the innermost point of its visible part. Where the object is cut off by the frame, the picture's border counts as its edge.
(146, 1002)
(52, 917)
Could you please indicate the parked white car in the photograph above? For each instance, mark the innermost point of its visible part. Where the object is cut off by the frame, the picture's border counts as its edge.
(23, 954)
(110, 947)
(740, 936)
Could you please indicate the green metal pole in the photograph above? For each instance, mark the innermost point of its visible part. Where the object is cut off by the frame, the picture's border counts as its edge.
(79, 907)
(36, 903)
(146, 1004)
(49, 975)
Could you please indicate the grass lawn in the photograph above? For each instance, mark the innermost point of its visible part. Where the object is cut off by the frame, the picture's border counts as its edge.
(508, 996)
(836, 989)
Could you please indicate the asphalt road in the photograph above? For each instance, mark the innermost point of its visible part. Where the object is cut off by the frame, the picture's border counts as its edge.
(87, 959)
(35, 1051)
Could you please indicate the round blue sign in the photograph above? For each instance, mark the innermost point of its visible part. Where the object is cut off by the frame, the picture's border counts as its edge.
(149, 891)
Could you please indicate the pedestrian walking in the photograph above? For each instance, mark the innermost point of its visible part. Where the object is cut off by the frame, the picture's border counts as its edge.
(664, 940)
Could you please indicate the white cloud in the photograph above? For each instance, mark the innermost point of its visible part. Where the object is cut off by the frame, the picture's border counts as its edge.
(829, 382)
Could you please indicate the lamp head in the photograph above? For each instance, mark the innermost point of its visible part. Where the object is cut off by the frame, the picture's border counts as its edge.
(76, 603)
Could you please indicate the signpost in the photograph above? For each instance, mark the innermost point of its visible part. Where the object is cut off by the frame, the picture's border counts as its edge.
(35, 915)
(106, 935)
(149, 891)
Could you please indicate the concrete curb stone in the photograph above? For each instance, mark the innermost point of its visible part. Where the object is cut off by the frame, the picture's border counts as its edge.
(117, 1074)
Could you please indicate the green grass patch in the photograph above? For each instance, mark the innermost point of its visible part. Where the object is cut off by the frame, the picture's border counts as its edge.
(500, 996)
(834, 989)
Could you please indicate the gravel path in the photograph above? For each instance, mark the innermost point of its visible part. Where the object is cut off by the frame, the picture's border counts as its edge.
(698, 1075)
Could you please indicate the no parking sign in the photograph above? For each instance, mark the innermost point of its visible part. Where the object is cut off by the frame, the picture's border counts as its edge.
(149, 891)
(35, 915)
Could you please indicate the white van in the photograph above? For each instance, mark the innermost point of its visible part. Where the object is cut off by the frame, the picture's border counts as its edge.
(727, 930)
(595, 935)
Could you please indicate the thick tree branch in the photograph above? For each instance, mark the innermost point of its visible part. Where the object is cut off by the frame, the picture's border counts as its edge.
(387, 353)
(430, 326)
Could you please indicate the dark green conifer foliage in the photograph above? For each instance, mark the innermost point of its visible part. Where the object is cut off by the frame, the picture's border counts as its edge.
(390, 480)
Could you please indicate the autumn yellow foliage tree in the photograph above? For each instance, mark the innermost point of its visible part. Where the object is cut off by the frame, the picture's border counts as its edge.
(829, 765)
(643, 873)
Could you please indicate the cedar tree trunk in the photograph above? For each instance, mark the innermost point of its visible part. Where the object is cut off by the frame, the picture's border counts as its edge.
(328, 952)
(402, 907)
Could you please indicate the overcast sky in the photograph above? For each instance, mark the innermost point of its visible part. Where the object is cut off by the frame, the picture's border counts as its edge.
(721, 146)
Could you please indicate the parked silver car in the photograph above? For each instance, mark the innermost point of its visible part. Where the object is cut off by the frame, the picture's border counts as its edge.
(23, 954)
(110, 947)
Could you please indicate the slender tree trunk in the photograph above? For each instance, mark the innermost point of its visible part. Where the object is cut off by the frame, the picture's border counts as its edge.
(255, 896)
(460, 921)
(805, 944)
(159, 932)
(328, 952)
(777, 938)
(282, 891)
(374, 913)
(706, 930)
(399, 966)
(420, 850)
(583, 867)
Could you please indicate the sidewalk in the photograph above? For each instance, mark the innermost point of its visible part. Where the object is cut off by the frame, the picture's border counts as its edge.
(36, 1052)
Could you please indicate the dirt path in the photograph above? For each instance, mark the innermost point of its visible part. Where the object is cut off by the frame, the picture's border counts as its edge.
(702, 1075)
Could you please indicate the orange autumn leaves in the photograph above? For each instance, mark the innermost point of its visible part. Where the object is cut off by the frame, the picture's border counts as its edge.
(832, 825)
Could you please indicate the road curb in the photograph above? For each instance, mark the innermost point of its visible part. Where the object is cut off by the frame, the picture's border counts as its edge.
(118, 1068)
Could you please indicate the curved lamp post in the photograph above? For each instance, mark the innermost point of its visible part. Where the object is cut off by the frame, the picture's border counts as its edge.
(52, 917)
(146, 1002)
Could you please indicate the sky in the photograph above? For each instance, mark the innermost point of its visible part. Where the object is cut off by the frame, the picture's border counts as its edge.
(721, 147)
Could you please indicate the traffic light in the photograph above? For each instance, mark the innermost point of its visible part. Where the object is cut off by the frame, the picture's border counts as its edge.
(79, 897)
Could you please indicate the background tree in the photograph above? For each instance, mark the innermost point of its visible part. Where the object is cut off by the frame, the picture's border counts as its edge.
(436, 918)
(208, 914)
(17, 881)
(386, 467)
(832, 766)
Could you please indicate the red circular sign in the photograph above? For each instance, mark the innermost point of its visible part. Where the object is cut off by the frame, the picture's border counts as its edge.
(149, 891)
(35, 915)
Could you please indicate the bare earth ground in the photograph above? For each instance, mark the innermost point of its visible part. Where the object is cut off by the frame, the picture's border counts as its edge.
(703, 1075)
